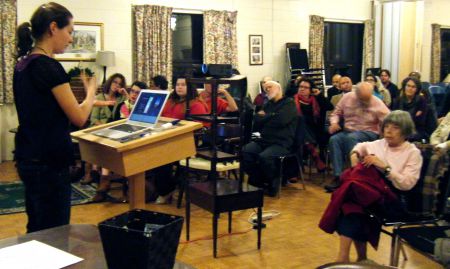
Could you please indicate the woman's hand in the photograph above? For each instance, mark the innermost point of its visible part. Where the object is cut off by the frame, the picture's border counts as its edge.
(418, 113)
(334, 127)
(89, 83)
(123, 91)
(442, 147)
(375, 161)
(261, 113)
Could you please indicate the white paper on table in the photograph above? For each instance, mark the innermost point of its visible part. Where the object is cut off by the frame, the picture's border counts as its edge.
(35, 255)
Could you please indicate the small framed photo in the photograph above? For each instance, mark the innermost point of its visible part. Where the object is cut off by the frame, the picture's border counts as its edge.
(87, 40)
(256, 49)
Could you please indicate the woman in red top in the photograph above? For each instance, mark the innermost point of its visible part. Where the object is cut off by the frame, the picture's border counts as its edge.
(176, 104)
(175, 107)
(312, 105)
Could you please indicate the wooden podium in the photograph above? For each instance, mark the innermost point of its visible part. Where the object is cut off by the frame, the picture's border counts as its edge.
(131, 159)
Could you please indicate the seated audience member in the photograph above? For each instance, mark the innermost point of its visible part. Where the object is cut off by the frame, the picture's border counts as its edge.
(378, 89)
(175, 107)
(159, 83)
(335, 89)
(176, 104)
(312, 105)
(391, 164)
(113, 94)
(223, 105)
(441, 135)
(114, 91)
(127, 105)
(276, 123)
(415, 74)
(415, 104)
(362, 114)
(345, 86)
(385, 76)
(261, 99)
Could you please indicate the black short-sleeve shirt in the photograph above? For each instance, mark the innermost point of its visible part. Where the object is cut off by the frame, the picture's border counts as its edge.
(43, 134)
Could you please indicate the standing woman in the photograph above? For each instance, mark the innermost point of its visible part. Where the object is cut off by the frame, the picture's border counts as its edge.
(45, 106)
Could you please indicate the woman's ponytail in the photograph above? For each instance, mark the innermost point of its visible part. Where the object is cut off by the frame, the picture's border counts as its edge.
(24, 39)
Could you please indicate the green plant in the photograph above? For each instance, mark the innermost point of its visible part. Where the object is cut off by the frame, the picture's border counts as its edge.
(76, 71)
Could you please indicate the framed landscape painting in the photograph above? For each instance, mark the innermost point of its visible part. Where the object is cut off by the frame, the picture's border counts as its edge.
(87, 40)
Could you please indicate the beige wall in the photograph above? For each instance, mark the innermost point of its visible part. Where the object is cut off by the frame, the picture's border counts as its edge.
(407, 39)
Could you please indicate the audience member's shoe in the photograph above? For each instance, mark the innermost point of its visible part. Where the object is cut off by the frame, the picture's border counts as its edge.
(99, 197)
(164, 199)
(271, 191)
(76, 173)
(93, 176)
(333, 186)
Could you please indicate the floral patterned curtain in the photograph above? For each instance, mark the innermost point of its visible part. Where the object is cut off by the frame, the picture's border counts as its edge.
(368, 45)
(220, 41)
(435, 71)
(316, 39)
(152, 47)
(8, 23)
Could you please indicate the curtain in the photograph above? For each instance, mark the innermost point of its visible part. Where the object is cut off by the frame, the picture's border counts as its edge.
(368, 45)
(435, 71)
(220, 41)
(8, 23)
(152, 47)
(316, 38)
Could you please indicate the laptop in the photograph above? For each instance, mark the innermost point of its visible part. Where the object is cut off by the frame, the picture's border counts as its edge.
(144, 116)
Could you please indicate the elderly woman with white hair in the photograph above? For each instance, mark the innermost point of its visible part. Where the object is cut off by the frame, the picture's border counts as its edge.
(276, 122)
(398, 162)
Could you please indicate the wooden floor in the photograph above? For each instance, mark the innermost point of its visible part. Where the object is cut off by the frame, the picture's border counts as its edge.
(291, 240)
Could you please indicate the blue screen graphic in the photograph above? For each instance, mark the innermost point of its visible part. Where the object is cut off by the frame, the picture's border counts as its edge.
(148, 107)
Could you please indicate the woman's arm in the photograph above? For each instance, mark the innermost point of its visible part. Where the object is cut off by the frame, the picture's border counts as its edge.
(410, 174)
(232, 106)
(77, 113)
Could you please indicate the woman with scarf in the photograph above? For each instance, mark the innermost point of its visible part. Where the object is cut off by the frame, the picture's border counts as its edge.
(312, 105)
(412, 101)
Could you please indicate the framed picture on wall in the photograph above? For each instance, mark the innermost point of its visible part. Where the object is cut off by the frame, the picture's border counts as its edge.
(87, 40)
(255, 43)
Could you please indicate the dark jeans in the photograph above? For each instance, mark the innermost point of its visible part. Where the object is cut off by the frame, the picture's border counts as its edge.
(260, 162)
(47, 195)
(165, 182)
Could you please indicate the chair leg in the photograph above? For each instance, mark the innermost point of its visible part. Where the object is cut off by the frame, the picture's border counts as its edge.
(395, 248)
(300, 172)
(402, 248)
(280, 177)
(215, 218)
(182, 187)
(230, 219)
(188, 201)
(259, 226)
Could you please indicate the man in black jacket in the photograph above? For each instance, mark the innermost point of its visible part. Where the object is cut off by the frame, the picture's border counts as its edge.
(276, 122)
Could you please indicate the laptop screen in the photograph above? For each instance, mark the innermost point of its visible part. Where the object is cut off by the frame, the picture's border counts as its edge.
(148, 106)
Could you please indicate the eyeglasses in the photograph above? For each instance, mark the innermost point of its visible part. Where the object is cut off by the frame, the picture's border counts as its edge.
(135, 91)
(304, 87)
(370, 79)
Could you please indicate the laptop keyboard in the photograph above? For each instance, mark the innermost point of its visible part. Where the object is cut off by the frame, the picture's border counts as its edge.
(127, 128)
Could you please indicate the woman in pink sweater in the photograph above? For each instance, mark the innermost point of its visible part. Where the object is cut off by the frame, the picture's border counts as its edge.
(398, 160)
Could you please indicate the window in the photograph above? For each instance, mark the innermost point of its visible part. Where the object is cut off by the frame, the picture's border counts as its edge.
(445, 53)
(343, 49)
(187, 39)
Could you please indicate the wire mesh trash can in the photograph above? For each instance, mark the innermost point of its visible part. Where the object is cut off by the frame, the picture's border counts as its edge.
(141, 239)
